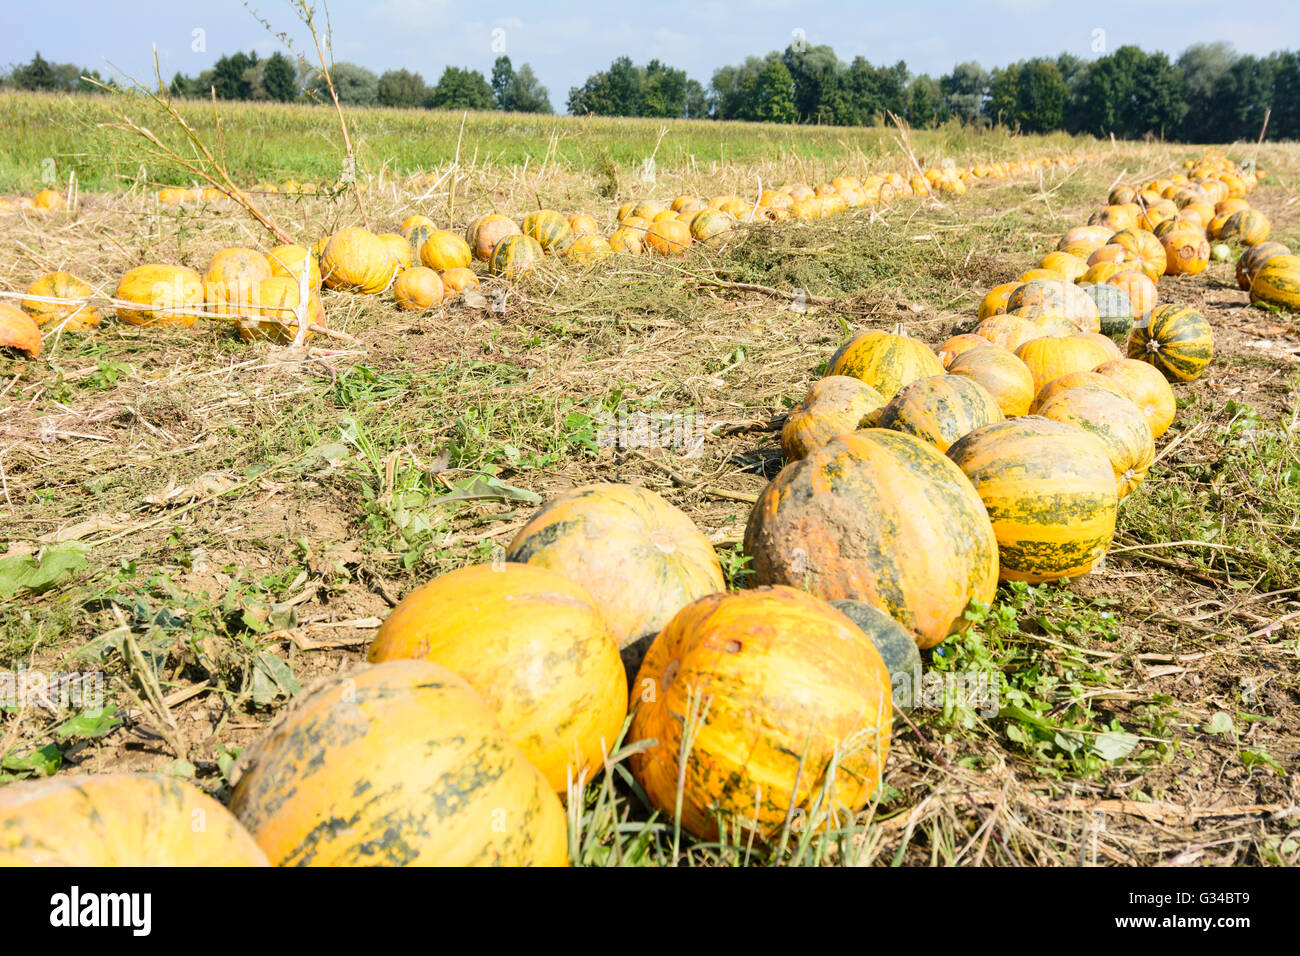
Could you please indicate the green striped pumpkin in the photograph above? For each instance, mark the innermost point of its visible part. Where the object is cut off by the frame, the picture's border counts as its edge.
(1040, 298)
(1277, 283)
(1113, 307)
(1175, 339)
(1253, 259)
(416, 236)
(1115, 421)
(881, 517)
(1050, 493)
(940, 409)
(399, 764)
(514, 255)
(885, 360)
(834, 406)
(550, 229)
(1247, 226)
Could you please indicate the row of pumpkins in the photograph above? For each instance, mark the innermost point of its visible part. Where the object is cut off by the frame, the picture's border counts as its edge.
(423, 265)
(910, 490)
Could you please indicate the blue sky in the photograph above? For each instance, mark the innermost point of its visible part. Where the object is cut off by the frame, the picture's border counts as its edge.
(565, 40)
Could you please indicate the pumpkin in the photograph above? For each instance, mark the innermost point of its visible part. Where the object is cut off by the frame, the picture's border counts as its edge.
(584, 225)
(640, 558)
(709, 225)
(1051, 357)
(1063, 264)
(1114, 309)
(488, 231)
(1083, 241)
(647, 209)
(550, 229)
(230, 282)
(668, 237)
(1175, 339)
(885, 360)
(882, 517)
(1246, 226)
(1008, 331)
(897, 649)
(1116, 422)
(1074, 380)
(444, 250)
(1120, 195)
(48, 199)
(587, 249)
(834, 406)
(940, 409)
(19, 331)
(1226, 207)
(278, 298)
(535, 647)
(1112, 252)
(172, 196)
(398, 764)
(1050, 493)
(628, 241)
(456, 281)
(514, 255)
(416, 237)
(1099, 273)
(1277, 283)
(1145, 246)
(1001, 374)
(119, 819)
(412, 223)
(356, 260)
(1106, 342)
(1031, 275)
(62, 285)
(398, 248)
(159, 294)
(784, 690)
(1059, 298)
(1144, 386)
(995, 300)
(417, 288)
(1187, 251)
(1138, 288)
(960, 343)
(1250, 261)
(290, 260)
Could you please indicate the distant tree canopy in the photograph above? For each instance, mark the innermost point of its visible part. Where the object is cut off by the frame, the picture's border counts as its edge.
(1210, 93)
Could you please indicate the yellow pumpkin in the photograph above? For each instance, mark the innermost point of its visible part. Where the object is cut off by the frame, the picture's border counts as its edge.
(75, 317)
(290, 261)
(535, 647)
(278, 298)
(417, 288)
(159, 295)
(356, 260)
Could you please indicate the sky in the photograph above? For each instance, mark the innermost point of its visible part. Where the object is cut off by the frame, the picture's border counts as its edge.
(567, 40)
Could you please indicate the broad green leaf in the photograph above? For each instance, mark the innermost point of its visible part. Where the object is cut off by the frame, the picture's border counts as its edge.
(56, 564)
(1114, 745)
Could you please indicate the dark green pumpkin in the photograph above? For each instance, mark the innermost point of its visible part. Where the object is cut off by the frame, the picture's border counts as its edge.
(1113, 306)
(416, 236)
(895, 645)
(1175, 339)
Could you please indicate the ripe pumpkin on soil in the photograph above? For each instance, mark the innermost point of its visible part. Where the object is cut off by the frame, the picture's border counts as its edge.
(901, 655)
(1187, 251)
(881, 517)
(535, 647)
(456, 281)
(794, 688)
(444, 250)
(1001, 374)
(640, 558)
(399, 764)
(278, 298)
(668, 237)
(514, 255)
(1074, 380)
(1051, 357)
(19, 331)
(1116, 422)
(1050, 493)
(940, 409)
(417, 288)
(119, 819)
(1144, 386)
(289, 261)
(995, 300)
(1276, 282)
(62, 285)
(550, 229)
(158, 294)
(356, 260)
(586, 249)
(834, 406)
(1175, 339)
(629, 241)
(1059, 298)
(958, 344)
(489, 230)
(884, 360)
(1253, 259)
(1008, 331)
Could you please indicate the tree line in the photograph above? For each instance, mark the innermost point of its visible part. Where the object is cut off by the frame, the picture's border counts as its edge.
(243, 76)
(1209, 93)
